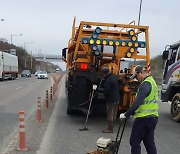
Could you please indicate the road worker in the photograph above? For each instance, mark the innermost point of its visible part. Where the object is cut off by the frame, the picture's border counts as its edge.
(145, 111)
(111, 93)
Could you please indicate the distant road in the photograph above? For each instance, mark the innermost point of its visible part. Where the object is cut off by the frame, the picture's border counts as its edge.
(18, 94)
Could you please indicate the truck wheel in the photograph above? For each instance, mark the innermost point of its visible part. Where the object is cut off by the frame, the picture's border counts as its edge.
(175, 108)
(12, 76)
(2, 79)
(70, 112)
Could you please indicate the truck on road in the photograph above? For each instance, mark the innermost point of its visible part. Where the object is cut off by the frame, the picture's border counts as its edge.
(171, 79)
(94, 45)
(8, 66)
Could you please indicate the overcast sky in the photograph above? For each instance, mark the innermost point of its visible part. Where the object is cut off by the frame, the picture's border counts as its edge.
(47, 23)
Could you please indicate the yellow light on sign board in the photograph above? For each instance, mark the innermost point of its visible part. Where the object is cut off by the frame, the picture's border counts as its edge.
(123, 44)
(136, 44)
(98, 42)
(134, 38)
(131, 50)
(117, 43)
(131, 32)
(110, 42)
(130, 44)
(128, 54)
(104, 42)
(91, 41)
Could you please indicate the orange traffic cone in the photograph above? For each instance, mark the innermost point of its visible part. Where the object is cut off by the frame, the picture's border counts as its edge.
(39, 119)
(22, 141)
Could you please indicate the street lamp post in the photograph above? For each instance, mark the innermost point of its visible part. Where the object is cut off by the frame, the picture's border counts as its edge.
(26, 43)
(140, 5)
(25, 55)
(31, 59)
(15, 35)
(26, 60)
(39, 51)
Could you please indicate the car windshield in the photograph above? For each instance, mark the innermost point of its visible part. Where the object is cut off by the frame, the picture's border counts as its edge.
(43, 72)
(26, 71)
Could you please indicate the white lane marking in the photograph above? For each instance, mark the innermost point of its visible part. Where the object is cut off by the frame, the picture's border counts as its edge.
(18, 87)
(34, 82)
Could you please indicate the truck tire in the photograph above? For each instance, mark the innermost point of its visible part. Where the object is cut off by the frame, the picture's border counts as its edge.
(2, 79)
(175, 108)
(13, 76)
(77, 93)
(70, 111)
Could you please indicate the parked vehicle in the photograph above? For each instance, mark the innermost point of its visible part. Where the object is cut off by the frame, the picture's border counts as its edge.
(26, 73)
(8, 66)
(94, 45)
(171, 79)
(42, 75)
(57, 70)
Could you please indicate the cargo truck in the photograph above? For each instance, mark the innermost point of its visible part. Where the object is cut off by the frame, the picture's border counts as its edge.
(8, 66)
(171, 79)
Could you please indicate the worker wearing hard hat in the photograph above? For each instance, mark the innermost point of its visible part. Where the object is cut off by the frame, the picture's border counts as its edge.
(145, 111)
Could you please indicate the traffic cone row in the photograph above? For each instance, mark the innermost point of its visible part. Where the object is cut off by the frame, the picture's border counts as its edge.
(22, 141)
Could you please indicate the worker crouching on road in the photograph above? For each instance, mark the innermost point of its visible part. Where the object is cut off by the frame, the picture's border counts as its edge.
(111, 93)
(145, 111)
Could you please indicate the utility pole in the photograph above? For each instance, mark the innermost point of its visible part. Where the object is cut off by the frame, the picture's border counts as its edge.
(140, 12)
(31, 59)
(14, 35)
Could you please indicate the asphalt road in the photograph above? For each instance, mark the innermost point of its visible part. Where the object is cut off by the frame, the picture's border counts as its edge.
(60, 133)
(63, 135)
(18, 94)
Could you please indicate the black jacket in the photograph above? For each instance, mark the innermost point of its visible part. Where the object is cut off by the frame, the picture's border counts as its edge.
(110, 88)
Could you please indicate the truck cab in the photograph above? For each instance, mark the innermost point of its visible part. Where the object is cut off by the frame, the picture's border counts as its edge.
(171, 79)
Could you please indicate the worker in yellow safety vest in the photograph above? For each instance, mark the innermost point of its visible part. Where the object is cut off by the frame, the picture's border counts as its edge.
(145, 111)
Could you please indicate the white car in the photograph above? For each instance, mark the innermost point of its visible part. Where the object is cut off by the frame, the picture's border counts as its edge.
(42, 75)
(37, 72)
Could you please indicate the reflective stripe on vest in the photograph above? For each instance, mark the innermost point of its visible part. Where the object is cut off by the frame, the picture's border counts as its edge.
(149, 106)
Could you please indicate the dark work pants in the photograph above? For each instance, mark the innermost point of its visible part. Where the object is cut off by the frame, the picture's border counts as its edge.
(111, 114)
(143, 130)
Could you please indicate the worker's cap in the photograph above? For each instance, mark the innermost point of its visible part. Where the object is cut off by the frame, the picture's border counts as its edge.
(105, 70)
(137, 70)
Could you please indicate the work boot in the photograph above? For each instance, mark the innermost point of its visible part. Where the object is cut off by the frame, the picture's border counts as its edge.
(108, 130)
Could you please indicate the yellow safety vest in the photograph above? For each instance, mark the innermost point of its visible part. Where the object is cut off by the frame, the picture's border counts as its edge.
(149, 107)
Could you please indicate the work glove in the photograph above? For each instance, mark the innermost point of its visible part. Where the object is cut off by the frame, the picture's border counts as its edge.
(122, 116)
(94, 87)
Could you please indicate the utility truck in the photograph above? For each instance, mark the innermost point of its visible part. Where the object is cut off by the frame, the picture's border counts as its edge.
(94, 45)
(8, 66)
(171, 79)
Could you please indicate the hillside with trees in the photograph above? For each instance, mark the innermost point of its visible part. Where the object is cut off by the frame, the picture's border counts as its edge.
(157, 66)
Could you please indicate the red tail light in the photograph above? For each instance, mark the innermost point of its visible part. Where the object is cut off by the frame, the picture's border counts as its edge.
(83, 66)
